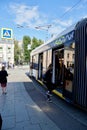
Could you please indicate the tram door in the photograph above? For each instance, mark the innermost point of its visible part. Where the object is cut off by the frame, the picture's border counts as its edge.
(58, 68)
(40, 66)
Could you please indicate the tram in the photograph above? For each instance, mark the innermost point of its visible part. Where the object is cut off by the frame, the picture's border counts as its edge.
(67, 52)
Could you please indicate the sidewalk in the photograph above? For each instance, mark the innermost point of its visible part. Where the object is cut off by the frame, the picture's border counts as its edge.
(18, 110)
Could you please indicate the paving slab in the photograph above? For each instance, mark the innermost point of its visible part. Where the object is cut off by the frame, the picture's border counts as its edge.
(18, 110)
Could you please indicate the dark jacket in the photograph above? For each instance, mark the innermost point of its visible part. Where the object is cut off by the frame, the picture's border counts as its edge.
(3, 76)
(48, 76)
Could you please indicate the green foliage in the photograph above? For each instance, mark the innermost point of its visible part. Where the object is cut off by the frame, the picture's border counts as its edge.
(36, 43)
(16, 51)
(22, 54)
(26, 41)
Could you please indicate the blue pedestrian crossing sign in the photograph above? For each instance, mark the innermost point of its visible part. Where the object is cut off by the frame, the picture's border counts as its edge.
(6, 33)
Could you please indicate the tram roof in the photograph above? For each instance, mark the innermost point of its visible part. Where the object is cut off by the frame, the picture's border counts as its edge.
(50, 43)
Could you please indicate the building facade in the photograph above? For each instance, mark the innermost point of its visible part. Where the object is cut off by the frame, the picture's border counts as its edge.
(6, 47)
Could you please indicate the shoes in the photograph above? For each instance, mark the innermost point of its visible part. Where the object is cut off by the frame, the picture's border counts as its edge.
(4, 92)
(48, 93)
(49, 100)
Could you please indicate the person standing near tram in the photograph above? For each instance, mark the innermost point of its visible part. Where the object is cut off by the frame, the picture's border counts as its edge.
(48, 82)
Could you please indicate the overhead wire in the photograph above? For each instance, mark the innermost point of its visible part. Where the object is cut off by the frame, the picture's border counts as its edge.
(60, 18)
(70, 9)
(76, 4)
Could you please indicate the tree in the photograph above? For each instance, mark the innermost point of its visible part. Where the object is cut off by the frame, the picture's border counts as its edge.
(36, 43)
(26, 41)
(17, 52)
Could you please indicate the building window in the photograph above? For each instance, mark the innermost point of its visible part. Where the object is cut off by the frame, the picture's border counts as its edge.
(73, 56)
(68, 55)
(1, 49)
(9, 50)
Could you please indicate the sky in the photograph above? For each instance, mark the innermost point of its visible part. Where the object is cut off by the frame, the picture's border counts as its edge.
(40, 18)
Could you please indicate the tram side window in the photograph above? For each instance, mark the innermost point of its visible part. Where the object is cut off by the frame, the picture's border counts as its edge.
(34, 62)
(68, 74)
(59, 61)
(69, 58)
(44, 62)
(47, 59)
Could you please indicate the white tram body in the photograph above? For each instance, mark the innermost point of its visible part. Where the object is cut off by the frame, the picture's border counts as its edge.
(67, 52)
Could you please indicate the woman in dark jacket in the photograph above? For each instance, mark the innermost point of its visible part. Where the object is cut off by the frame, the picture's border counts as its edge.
(3, 79)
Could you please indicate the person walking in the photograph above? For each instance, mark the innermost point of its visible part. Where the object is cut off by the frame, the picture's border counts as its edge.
(3, 79)
(48, 83)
